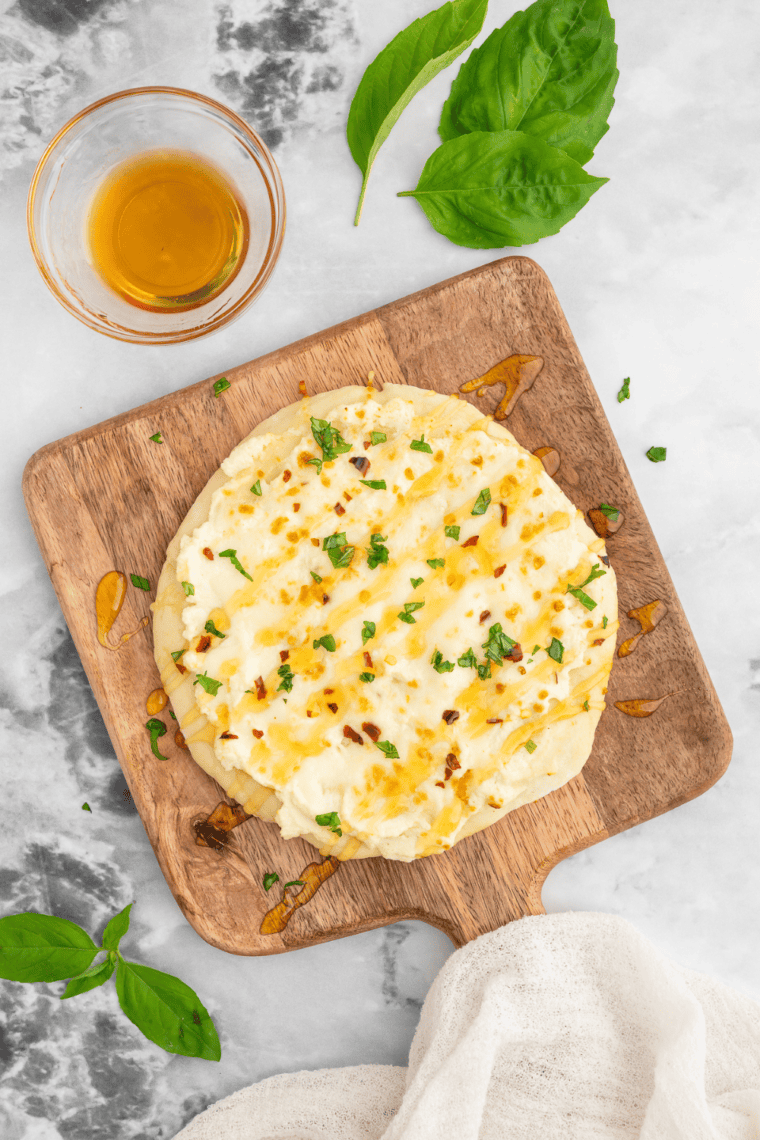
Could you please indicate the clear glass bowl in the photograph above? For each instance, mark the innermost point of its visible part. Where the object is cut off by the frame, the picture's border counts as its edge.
(104, 135)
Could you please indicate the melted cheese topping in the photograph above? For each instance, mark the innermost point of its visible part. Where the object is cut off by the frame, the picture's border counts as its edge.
(291, 596)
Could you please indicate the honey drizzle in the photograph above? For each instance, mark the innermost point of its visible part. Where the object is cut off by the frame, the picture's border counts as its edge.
(517, 373)
(648, 617)
(214, 831)
(644, 706)
(313, 876)
(603, 524)
(550, 458)
(156, 702)
(109, 598)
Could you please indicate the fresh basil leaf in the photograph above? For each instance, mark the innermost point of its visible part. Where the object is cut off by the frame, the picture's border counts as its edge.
(484, 670)
(177, 654)
(657, 454)
(468, 660)
(220, 386)
(482, 503)
(211, 628)
(327, 642)
(605, 619)
(338, 550)
(550, 71)
(208, 683)
(315, 576)
(293, 883)
(436, 563)
(368, 631)
(287, 675)
(156, 438)
(610, 512)
(377, 553)
(375, 484)
(390, 750)
(316, 463)
(140, 583)
(556, 650)
(486, 190)
(256, 488)
(409, 609)
(596, 572)
(329, 439)
(270, 879)
(625, 391)
(377, 437)
(439, 664)
(97, 975)
(583, 598)
(116, 929)
(330, 819)
(189, 589)
(585, 706)
(419, 444)
(166, 1011)
(498, 644)
(402, 69)
(157, 729)
(43, 948)
(452, 532)
(232, 555)
(531, 745)
(416, 582)
(367, 677)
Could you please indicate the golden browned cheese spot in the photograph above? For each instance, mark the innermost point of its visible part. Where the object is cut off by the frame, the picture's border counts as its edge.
(409, 473)
(538, 561)
(536, 595)
(285, 597)
(246, 508)
(286, 476)
(477, 461)
(292, 536)
(438, 457)
(278, 524)
(315, 542)
(157, 700)
(558, 606)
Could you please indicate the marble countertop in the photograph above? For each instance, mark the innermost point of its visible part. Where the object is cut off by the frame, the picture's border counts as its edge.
(657, 279)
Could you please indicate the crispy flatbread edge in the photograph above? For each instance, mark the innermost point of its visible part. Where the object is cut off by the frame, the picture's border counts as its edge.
(569, 741)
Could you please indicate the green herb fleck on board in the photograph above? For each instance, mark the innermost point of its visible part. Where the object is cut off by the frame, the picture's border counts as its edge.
(140, 583)
(221, 386)
(157, 729)
(156, 438)
(270, 879)
(657, 454)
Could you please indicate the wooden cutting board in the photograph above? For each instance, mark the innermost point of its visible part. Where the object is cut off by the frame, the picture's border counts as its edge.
(110, 499)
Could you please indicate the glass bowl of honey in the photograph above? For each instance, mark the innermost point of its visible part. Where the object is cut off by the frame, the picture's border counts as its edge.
(156, 215)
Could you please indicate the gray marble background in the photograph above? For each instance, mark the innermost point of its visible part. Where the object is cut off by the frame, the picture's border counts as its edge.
(658, 279)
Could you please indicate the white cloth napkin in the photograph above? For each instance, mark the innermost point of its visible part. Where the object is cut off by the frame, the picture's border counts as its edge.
(558, 1027)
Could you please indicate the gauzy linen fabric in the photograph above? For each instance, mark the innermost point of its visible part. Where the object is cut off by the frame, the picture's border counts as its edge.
(558, 1027)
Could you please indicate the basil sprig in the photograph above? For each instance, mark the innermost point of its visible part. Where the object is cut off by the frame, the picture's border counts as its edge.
(157, 729)
(377, 553)
(45, 948)
(338, 550)
(578, 592)
(329, 439)
(402, 69)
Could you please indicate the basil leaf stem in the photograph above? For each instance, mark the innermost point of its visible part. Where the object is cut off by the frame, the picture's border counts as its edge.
(157, 729)
(232, 555)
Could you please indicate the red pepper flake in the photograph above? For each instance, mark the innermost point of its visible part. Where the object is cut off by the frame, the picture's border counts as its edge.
(339, 509)
(515, 653)
(261, 691)
(503, 513)
(351, 734)
(472, 541)
(284, 654)
(372, 731)
(367, 443)
(347, 497)
(203, 643)
(450, 715)
(447, 774)
(309, 712)
(599, 641)
(494, 720)
(486, 614)
(325, 599)
(287, 476)
(228, 736)
(302, 387)
(257, 733)
(603, 558)
(368, 660)
(499, 571)
(440, 784)
(332, 707)
(209, 553)
(452, 762)
(328, 692)
(179, 668)
(179, 740)
(296, 507)
(360, 462)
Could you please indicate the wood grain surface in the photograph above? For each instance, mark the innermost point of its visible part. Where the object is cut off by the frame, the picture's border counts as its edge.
(109, 498)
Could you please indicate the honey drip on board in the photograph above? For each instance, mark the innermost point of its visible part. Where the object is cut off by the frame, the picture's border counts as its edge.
(517, 373)
(603, 524)
(109, 598)
(313, 876)
(550, 458)
(648, 617)
(644, 706)
(156, 702)
(214, 831)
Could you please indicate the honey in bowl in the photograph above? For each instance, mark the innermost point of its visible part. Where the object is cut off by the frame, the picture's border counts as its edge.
(167, 231)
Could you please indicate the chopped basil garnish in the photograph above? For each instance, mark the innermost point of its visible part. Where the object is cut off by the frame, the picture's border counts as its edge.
(256, 488)
(189, 589)
(368, 631)
(86, 807)
(482, 503)
(327, 642)
(293, 883)
(605, 619)
(409, 609)
(366, 677)
(556, 650)
(468, 660)
(270, 879)
(585, 705)
(439, 664)
(531, 745)
(389, 749)
(577, 591)
(140, 583)
(338, 550)
(435, 563)
(208, 683)
(610, 512)
(221, 385)
(232, 555)
(535, 649)
(316, 463)
(330, 819)
(287, 678)
(625, 392)
(416, 582)
(374, 484)
(329, 439)
(315, 576)
(498, 644)
(484, 670)
(377, 437)
(657, 454)
(177, 654)
(377, 553)
(452, 532)
(420, 445)
(156, 438)
(157, 729)
(211, 628)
